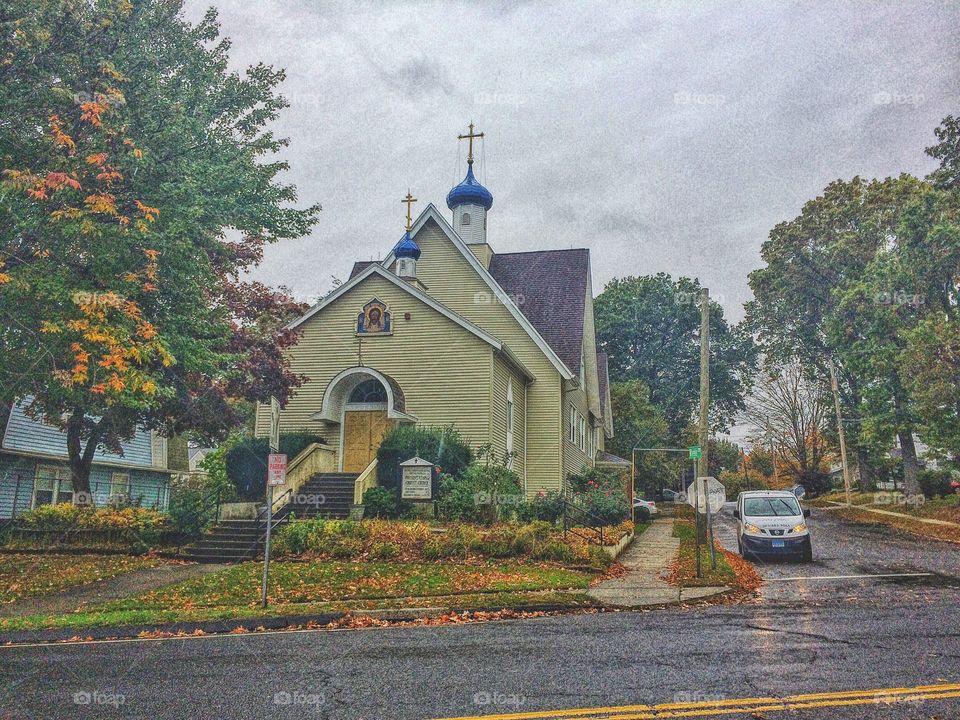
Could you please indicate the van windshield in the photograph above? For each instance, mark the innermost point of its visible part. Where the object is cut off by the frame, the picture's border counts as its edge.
(770, 506)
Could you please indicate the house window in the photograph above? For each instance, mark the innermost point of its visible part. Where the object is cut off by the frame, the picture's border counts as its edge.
(53, 485)
(465, 219)
(119, 488)
(369, 391)
(582, 433)
(573, 424)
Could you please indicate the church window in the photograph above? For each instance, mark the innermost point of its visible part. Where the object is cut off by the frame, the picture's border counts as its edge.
(369, 391)
(582, 433)
(465, 219)
(573, 424)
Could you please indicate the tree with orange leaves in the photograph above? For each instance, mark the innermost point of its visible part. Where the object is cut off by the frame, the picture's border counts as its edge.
(127, 151)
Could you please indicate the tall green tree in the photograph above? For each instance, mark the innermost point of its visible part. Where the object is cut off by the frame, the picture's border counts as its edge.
(640, 424)
(138, 189)
(650, 329)
(822, 298)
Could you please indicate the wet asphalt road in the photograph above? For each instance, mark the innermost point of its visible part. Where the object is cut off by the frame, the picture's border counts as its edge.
(802, 636)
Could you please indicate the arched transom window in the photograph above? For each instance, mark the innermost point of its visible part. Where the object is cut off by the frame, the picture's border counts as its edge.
(369, 391)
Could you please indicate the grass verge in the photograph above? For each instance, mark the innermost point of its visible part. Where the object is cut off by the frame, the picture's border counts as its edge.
(307, 588)
(731, 570)
(907, 524)
(30, 575)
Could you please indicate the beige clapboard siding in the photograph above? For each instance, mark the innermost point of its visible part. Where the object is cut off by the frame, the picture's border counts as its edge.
(502, 374)
(449, 278)
(443, 369)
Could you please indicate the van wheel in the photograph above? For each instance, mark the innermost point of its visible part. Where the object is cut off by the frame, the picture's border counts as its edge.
(806, 554)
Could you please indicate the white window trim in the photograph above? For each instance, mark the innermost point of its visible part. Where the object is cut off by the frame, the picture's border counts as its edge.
(572, 435)
(59, 475)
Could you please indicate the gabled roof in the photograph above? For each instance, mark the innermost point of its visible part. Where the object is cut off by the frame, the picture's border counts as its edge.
(431, 213)
(377, 269)
(360, 266)
(550, 287)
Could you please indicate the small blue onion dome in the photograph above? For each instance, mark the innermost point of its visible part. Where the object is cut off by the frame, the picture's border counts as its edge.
(469, 191)
(407, 248)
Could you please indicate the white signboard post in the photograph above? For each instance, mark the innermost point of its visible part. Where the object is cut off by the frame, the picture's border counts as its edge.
(714, 495)
(416, 480)
(276, 470)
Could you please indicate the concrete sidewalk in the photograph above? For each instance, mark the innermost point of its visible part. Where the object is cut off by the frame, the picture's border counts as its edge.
(648, 562)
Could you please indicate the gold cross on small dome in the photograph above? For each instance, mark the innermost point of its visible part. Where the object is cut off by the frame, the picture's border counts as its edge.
(469, 137)
(409, 200)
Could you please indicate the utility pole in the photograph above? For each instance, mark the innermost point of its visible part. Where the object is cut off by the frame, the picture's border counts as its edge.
(843, 439)
(705, 410)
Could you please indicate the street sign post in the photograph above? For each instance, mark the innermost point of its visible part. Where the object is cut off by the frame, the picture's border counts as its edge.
(276, 475)
(696, 452)
(707, 495)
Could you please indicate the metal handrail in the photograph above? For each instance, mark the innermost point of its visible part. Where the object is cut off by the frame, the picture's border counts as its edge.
(278, 518)
(567, 528)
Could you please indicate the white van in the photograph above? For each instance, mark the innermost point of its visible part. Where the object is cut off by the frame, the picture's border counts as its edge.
(772, 523)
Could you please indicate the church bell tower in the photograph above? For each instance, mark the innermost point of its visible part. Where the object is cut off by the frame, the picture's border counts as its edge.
(469, 201)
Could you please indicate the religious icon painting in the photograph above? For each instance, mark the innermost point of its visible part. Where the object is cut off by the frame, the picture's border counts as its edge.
(374, 320)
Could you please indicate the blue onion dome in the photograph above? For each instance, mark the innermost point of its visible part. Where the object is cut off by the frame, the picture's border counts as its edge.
(469, 191)
(407, 248)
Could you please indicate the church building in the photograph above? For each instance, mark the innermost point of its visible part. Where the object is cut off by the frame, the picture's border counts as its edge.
(446, 331)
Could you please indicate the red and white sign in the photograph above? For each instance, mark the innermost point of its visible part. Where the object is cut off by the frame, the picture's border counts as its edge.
(276, 470)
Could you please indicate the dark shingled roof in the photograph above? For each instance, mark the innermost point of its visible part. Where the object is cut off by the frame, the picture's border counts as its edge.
(603, 375)
(360, 266)
(550, 288)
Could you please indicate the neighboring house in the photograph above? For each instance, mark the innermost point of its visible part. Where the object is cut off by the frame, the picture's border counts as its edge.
(445, 331)
(34, 470)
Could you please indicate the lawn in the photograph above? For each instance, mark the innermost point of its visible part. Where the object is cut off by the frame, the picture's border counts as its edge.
(946, 509)
(685, 569)
(304, 588)
(28, 575)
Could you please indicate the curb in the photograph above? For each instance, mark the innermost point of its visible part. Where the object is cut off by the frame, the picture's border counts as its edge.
(273, 622)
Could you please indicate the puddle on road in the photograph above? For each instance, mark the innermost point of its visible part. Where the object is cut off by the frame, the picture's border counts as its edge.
(934, 580)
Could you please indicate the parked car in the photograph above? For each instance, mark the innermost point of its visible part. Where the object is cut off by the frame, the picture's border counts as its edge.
(650, 505)
(670, 496)
(771, 523)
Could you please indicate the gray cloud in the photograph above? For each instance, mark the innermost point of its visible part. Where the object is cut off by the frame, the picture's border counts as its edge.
(663, 136)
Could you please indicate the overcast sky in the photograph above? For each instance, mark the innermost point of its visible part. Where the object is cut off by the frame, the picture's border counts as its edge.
(663, 136)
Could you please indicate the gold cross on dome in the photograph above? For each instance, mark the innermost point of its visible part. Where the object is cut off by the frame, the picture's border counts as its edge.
(409, 200)
(469, 137)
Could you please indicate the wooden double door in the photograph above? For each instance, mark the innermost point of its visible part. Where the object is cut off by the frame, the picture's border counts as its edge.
(362, 432)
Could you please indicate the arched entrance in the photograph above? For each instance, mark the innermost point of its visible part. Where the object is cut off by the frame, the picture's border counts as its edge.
(364, 424)
(366, 404)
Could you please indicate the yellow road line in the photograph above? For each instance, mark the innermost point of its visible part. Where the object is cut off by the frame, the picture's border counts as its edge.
(740, 705)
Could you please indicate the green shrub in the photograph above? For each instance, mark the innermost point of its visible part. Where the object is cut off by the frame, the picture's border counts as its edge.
(385, 551)
(292, 538)
(485, 492)
(554, 551)
(381, 502)
(246, 462)
(442, 446)
(642, 514)
(599, 558)
(544, 506)
(459, 541)
(347, 547)
(606, 506)
(592, 478)
(935, 483)
(136, 528)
